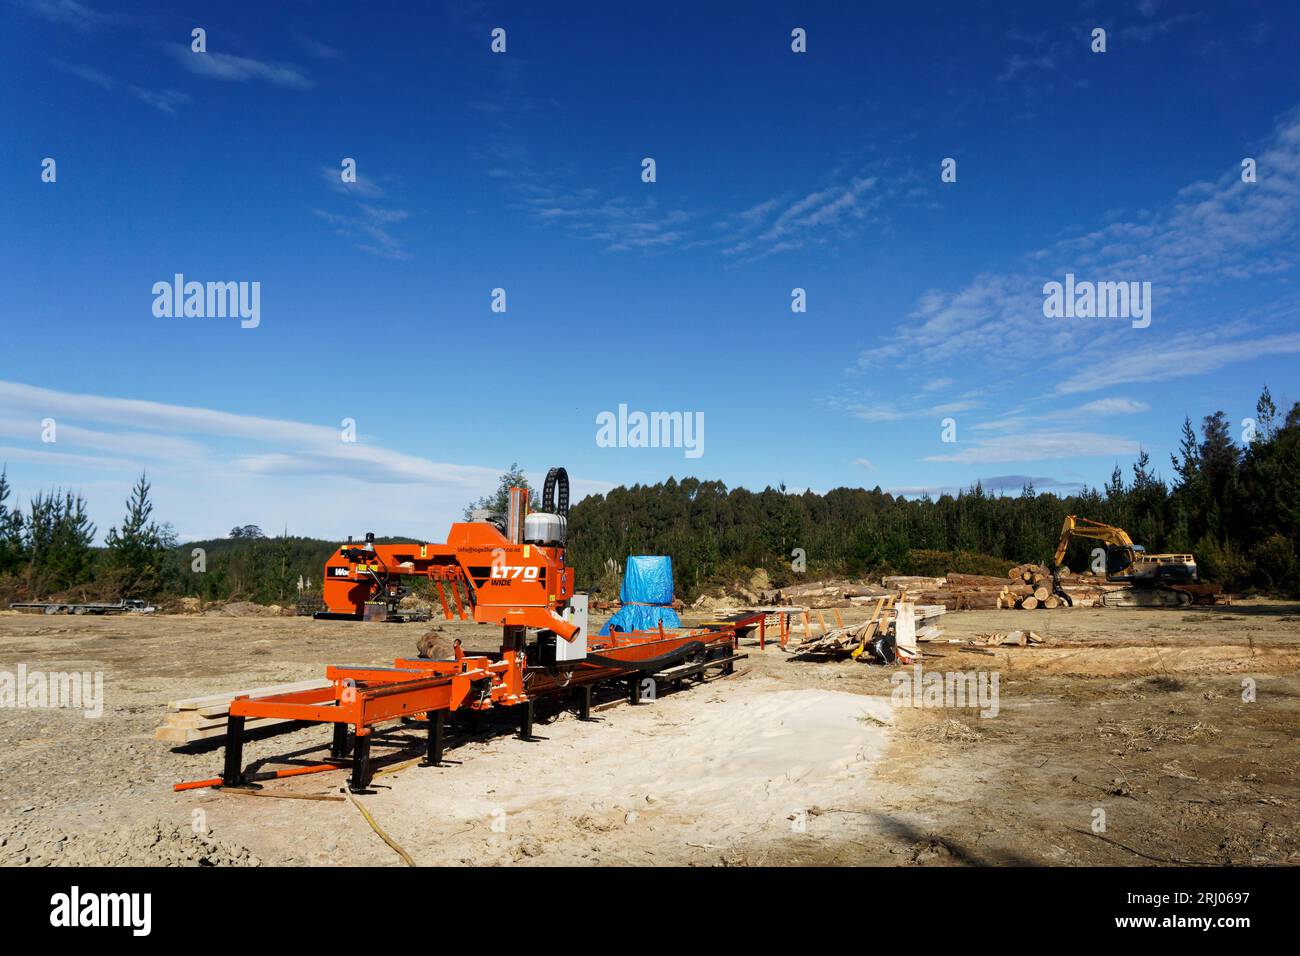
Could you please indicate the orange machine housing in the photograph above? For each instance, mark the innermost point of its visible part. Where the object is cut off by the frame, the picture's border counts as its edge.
(503, 583)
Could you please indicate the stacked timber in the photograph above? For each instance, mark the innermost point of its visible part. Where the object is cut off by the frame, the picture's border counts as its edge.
(823, 595)
(852, 640)
(1027, 586)
(961, 592)
(1030, 587)
(196, 719)
(913, 583)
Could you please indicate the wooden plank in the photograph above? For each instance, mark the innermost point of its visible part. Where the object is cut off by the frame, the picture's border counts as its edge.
(210, 700)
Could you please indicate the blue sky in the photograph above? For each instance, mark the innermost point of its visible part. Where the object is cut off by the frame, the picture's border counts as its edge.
(522, 171)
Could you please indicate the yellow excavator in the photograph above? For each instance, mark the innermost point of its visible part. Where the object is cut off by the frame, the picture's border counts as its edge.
(1163, 579)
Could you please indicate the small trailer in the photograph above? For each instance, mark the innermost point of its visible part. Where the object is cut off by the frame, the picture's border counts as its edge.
(67, 607)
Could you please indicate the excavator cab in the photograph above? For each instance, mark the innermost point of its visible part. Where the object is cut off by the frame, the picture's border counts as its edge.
(1120, 558)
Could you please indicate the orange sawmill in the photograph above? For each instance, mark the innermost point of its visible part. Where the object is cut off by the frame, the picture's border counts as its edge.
(503, 570)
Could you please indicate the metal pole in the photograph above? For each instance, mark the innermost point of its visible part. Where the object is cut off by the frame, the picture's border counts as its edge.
(526, 722)
(233, 775)
(437, 724)
(339, 748)
(360, 764)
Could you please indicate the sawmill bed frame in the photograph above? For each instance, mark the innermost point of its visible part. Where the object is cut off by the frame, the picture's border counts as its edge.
(360, 698)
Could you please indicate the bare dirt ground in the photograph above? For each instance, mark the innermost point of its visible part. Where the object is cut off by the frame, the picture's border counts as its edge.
(1137, 714)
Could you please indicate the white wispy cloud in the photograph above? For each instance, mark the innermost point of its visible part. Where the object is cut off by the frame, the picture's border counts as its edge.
(238, 69)
(1042, 55)
(79, 16)
(322, 51)
(88, 73)
(1038, 446)
(619, 223)
(366, 223)
(1020, 418)
(214, 469)
(1146, 32)
(815, 218)
(165, 100)
(835, 211)
(1209, 233)
(1180, 355)
(881, 411)
(1114, 406)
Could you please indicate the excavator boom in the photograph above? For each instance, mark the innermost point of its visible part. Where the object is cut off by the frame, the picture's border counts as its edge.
(1075, 527)
(1125, 561)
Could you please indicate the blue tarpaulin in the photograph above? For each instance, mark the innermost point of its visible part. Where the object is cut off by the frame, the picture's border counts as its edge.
(648, 579)
(647, 596)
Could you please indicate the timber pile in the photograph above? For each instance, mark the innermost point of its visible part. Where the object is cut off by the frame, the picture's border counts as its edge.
(913, 582)
(196, 719)
(823, 595)
(852, 640)
(959, 592)
(1030, 587)
(956, 592)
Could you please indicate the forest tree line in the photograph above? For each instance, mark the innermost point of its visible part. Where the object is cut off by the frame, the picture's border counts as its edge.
(47, 551)
(1235, 507)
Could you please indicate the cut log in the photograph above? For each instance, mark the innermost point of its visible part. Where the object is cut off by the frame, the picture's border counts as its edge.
(1052, 602)
(1029, 603)
(975, 581)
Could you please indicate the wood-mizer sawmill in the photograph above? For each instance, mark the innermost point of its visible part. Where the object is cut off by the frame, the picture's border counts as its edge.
(511, 573)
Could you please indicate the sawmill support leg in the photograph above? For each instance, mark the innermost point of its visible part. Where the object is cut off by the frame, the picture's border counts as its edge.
(634, 690)
(360, 764)
(339, 748)
(526, 722)
(584, 702)
(437, 727)
(233, 774)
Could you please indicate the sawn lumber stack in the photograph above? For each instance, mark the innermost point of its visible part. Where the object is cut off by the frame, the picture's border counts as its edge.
(198, 719)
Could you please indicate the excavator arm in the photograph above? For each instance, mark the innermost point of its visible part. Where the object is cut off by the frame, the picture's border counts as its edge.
(1075, 527)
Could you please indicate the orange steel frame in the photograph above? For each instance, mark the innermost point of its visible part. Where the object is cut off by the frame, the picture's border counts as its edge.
(507, 584)
(517, 586)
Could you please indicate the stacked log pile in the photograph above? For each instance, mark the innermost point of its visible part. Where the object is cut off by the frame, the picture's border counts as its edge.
(1030, 587)
(823, 595)
(960, 592)
(1026, 586)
